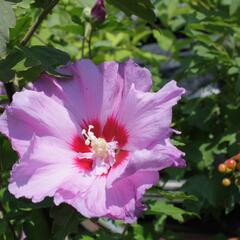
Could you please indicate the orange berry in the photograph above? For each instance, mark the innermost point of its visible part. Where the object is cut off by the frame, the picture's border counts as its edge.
(222, 168)
(237, 157)
(231, 164)
(226, 182)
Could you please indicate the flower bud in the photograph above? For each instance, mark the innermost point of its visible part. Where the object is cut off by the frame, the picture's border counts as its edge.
(87, 13)
(98, 11)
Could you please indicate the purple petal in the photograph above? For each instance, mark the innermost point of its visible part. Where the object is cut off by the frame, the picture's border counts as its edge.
(147, 116)
(117, 81)
(86, 193)
(82, 94)
(154, 159)
(40, 172)
(34, 113)
(123, 198)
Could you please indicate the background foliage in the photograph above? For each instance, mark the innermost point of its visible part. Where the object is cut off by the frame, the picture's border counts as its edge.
(196, 43)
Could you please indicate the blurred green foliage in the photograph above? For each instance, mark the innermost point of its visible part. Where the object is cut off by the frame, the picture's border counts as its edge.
(196, 42)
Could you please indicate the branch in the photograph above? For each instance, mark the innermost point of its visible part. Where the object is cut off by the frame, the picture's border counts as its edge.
(38, 22)
(10, 89)
(9, 86)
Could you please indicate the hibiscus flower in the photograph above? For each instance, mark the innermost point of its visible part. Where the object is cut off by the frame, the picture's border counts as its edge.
(95, 141)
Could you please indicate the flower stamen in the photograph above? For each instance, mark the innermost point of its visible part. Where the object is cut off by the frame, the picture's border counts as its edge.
(100, 146)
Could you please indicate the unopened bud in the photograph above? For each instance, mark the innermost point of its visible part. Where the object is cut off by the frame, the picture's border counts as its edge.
(98, 11)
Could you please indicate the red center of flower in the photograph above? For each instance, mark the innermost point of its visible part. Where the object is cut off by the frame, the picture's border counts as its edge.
(112, 131)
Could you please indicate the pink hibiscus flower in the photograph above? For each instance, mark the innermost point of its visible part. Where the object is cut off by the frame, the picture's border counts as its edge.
(96, 141)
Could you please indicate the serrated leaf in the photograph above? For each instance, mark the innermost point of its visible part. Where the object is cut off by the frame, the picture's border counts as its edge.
(177, 195)
(164, 208)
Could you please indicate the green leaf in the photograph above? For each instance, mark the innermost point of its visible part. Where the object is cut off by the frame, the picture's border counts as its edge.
(18, 32)
(234, 6)
(65, 220)
(164, 208)
(41, 3)
(7, 20)
(3, 227)
(47, 57)
(211, 193)
(140, 8)
(30, 62)
(85, 237)
(87, 3)
(177, 195)
(165, 39)
(37, 227)
(6, 65)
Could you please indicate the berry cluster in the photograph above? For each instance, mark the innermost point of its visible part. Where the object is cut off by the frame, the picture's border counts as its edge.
(231, 167)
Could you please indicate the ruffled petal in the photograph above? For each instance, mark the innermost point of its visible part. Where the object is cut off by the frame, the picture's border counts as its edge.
(155, 159)
(43, 168)
(113, 85)
(123, 198)
(86, 193)
(147, 116)
(82, 94)
(117, 81)
(35, 113)
(134, 74)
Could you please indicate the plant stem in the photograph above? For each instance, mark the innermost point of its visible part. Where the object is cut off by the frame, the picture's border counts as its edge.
(89, 46)
(87, 37)
(38, 22)
(83, 46)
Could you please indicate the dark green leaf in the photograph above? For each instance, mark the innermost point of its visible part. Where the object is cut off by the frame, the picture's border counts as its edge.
(37, 227)
(140, 8)
(65, 220)
(164, 208)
